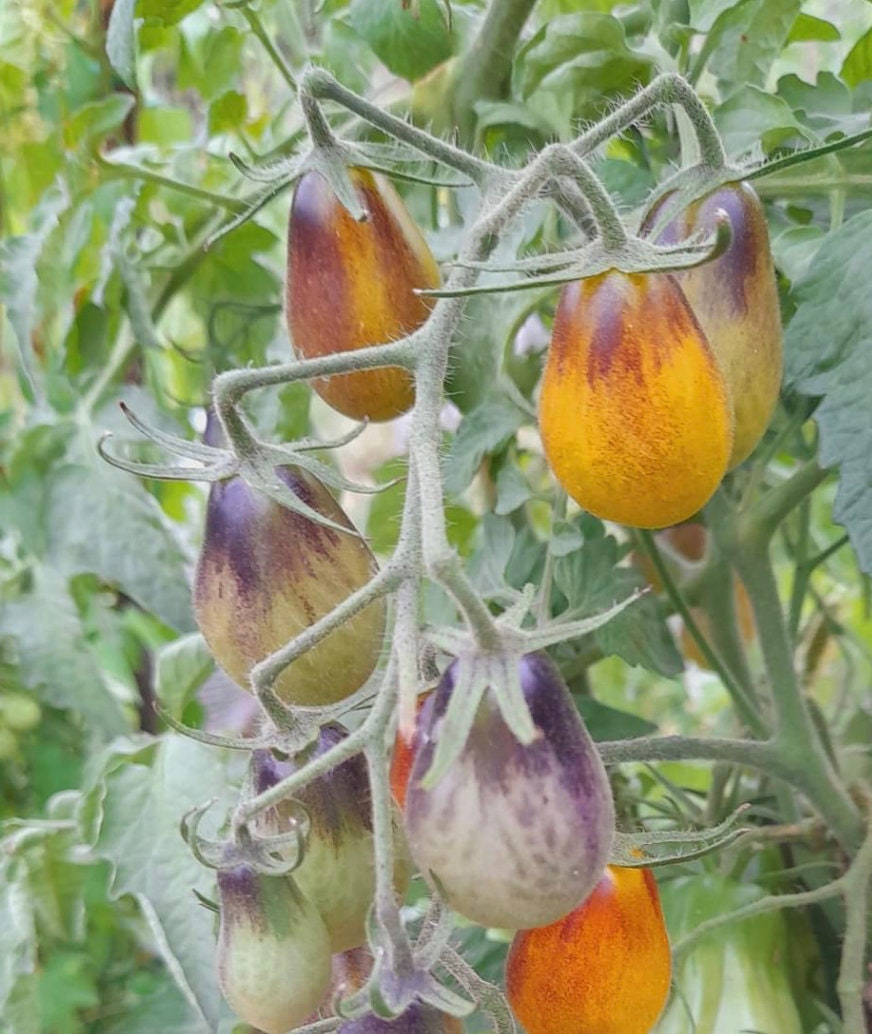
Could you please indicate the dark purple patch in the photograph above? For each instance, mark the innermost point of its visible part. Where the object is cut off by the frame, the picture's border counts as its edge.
(740, 263)
(417, 1019)
(339, 802)
(610, 315)
(240, 896)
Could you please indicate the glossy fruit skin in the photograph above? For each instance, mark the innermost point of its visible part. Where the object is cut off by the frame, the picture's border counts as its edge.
(753, 955)
(634, 413)
(735, 299)
(337, 874)
(417, 1019)
(514, 836)
(265, 573)
(273, 956)
(603, 969)
(351, 284)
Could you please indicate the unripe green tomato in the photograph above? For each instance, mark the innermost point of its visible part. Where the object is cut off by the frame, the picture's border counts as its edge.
(273, 956)
(337, 873)
(19, 713)
(8, 744)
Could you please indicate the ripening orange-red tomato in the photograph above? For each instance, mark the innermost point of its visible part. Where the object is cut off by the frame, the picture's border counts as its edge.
(351, 284)
(603, 969)
(634, 413)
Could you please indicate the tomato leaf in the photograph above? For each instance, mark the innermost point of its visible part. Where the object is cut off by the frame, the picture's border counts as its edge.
(827, 356)
(54, 660)
(134, 814)
(408, 43)
(121, 41)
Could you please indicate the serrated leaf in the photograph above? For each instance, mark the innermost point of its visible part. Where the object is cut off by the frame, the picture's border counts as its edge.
(751, 35)
(181, 667)
(807, 28)
(857, 66)
(18, 277)
(487, 565)
(583, 56)
(121, 41)
(482, 431)
(827, 349)
(752, 117)
(409, 43)
(144, 795)
(591, 581)
(104, 522)
(18, 951)
(53, 658)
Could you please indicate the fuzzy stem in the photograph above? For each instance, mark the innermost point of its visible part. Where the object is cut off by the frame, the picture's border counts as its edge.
(855, 885)
(318, 83)
(753, 753)
(666, 89)
(275, 55)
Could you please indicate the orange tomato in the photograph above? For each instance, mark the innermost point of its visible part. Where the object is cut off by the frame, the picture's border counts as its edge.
(635, 419)
(603, 969)
(352, 284)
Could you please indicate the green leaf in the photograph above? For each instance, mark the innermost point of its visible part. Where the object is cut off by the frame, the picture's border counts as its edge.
(752, 117)
(228, 113)
(18, 277)
(591, 581)
(92, 122)
(104, 522)
(19, 1006)
(750, 36)
(808, 29)
(485, 430)
(145, 789)
(857, 66)
(827, 348)
(181, 667)
(53, 658)
(121, 41)
(487, 565)
(409, 44)
(583, 57)
(169, 12)
(513, 490)
(386, 508)
(608, 723)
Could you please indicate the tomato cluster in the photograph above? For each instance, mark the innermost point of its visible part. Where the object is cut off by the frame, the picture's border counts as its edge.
(654, 386)
(657, 384)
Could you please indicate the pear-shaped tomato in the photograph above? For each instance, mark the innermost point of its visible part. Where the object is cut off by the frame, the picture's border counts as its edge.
(735, 299)
(337, 873)
(417, 1019)
(513, 836)
(266, 573)
(273, 956)
(352, 284)
(602, 969)
(634, 412)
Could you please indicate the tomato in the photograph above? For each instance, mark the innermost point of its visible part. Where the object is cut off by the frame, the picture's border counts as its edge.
(351, 284)
(417, 1019)
(273, 956)
(512, 835)
(735, 299)
(266, 573)
(634, 413)
(337, 873)
(602, 969)
(403, 758)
